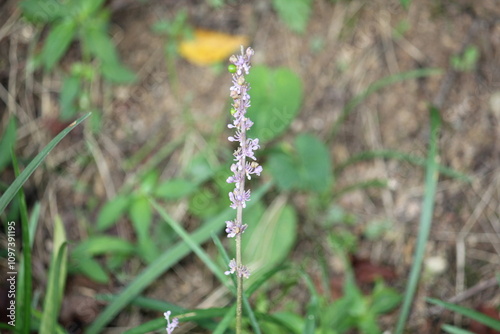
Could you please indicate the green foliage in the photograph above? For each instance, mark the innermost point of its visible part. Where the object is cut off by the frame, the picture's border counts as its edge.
(295, 13)
(472, 314)
(307, 166)
(356, 311)
(270, 236)
(82, 255)
(56, 280)
(175, 189)
(467, 61)
(174, 30)
(271, 112)
(26, 173)
(455, 330)
(86, 22)
(7, 143)
(405, 3)
(165, 261)
(136, 206)
(431, 180)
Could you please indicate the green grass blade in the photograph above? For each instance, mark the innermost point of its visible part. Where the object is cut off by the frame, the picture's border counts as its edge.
(194, 246)
(163, 263)
(431, 179)
(21, 179)
(251, 315)
(255, 285)
(455, 330)
(378, 85)
(37, 316)
(390, 154)
(263, 279)
(56, 280)
(313, 307)
(25, 277)
(226, 321)
(151, 326)
(33, 224)
(478, 316)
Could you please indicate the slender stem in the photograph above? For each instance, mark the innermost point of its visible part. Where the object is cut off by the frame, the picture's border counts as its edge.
(239, 218)
(239, 285)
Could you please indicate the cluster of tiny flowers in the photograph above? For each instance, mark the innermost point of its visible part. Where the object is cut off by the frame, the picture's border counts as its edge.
(241, 270)
(241, 168)
(171, 325)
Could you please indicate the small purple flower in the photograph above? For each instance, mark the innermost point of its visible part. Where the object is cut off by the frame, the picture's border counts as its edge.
(234, 228)
(241, 168)
(252, 168)
(171, 325)
(238, 199)
(232, 267)
(241, 270)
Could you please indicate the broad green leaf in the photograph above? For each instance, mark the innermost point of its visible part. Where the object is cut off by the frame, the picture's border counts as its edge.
(175, 189)
(111, 211)
(117, 73)
(69, 91)
(284, 170)
(26, 173)
(316, 168)
(295, 13)
(268, 242)
(306, 168)
(276, 96)
(7, 143)
(57, 43)
(56, 280)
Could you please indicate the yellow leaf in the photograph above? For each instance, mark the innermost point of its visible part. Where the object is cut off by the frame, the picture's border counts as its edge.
(209, 47)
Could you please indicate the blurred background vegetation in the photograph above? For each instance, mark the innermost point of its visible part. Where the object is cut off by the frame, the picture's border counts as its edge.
(353, 103)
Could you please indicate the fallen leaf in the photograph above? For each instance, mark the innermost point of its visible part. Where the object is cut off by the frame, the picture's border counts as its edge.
(209, 47)
(367, 272)
(479, 328)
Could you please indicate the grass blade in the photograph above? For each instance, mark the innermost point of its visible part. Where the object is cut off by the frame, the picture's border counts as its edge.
(24, 278)
(431, 179)
(56, 280)
(478, 316)
(378, 85)
(26, 173)
(246, 303)
(226, 321)
(455, 330)
(163, 263)
(194, 246)
(390, 154)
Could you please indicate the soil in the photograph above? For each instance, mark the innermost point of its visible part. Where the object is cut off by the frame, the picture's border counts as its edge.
(348, 45)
